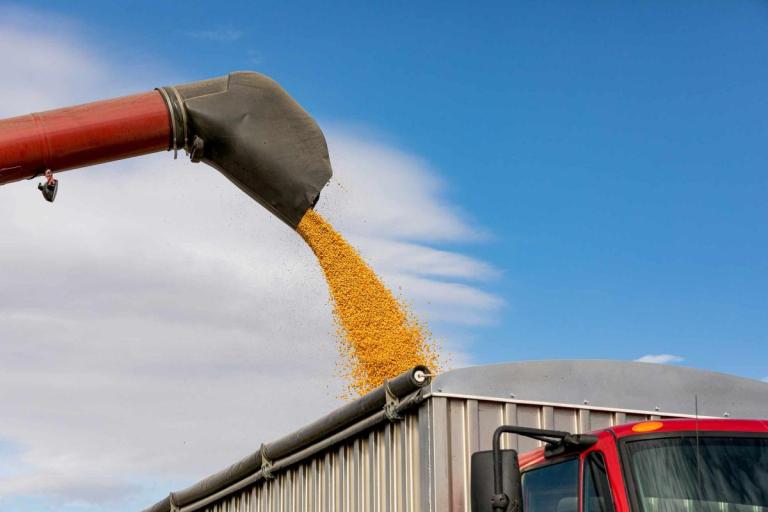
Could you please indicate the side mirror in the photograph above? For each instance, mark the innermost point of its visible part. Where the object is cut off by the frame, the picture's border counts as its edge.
(484, 497)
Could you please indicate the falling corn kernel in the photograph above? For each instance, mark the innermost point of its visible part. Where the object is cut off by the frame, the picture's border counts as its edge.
(379, 337)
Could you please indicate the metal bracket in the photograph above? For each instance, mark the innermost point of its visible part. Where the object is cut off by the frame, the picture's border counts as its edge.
(266, 464)
(197, 150)
(178, 114)
(172, 504)
(49, 191)
(391, 404)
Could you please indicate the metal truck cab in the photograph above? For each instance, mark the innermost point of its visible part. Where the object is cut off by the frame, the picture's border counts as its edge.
(707, 465)
(656, 466)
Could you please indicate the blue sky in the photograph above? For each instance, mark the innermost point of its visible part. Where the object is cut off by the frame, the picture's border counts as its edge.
(615, 151)
(610, 157)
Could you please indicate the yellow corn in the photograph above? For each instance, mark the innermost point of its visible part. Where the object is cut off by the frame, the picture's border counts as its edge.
(379, 337)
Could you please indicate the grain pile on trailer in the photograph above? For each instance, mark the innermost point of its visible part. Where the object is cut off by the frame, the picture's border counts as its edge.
(407, 446)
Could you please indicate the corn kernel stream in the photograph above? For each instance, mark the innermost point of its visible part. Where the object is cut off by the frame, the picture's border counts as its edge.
(379, 337)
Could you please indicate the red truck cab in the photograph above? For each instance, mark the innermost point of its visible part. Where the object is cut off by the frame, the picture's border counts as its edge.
(681, 465)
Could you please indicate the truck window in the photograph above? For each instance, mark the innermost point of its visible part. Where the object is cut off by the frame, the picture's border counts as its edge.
(597, 489)
(707, 473)
(553, 488)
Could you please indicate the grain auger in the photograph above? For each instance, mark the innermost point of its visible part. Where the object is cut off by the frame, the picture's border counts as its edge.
(244, 125)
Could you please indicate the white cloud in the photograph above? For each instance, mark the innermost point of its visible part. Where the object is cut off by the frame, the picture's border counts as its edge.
(765, 379)
(43, 71)
(660, 359)
(49, 68)
(150, 319)
(391, 194)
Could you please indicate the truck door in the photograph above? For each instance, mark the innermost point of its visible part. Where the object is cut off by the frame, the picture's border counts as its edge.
(596, 489)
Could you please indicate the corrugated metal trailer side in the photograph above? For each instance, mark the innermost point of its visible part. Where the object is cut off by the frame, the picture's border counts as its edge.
(420, 462)
(373, 472)
(381, 470)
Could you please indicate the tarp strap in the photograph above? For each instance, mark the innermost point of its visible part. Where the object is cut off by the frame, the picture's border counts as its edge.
(391, 404)
(266, 464)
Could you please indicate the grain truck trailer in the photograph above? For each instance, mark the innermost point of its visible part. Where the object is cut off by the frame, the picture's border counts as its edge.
(597, 436)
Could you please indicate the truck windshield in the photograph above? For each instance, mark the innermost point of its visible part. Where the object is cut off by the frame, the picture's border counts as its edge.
(702, 474)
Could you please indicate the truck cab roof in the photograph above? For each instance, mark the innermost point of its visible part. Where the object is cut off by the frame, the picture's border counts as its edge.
(534, 458)
(690, 425)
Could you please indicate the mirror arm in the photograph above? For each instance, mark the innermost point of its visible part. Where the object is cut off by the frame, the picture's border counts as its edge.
(499, 500)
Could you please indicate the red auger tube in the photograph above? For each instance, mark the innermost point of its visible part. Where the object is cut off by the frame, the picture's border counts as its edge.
(83, 135)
